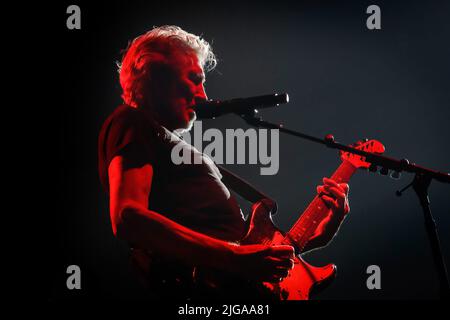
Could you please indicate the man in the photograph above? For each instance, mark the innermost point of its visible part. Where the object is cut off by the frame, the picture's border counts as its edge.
(179, 216)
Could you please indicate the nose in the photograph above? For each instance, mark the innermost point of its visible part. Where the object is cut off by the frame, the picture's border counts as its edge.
(200, 96)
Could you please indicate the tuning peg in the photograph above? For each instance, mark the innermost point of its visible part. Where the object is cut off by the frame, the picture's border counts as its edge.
(405, 162)
(384, 171)
(373, 168)
(396, 175)
(329, 138)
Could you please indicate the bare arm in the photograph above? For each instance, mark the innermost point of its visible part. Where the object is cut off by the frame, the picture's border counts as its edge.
(134, 223)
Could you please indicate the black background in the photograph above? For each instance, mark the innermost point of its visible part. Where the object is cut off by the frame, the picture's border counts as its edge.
(390, 84)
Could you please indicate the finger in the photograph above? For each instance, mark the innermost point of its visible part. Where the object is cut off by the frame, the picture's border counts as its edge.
(283, 256)
(323, 190)
(320, 189)
(340, 201)
(338, 187)
(283, 250)
(292, 264)
(346, 208)
(330, 202)
(337, 192)
(281, 263)
(278, 275)
(282, 273)
(330, 182)
(345, 187)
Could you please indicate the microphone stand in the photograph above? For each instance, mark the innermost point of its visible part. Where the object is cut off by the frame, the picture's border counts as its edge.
(422, 179)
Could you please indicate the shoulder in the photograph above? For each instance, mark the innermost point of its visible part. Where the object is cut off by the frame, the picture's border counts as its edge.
(129, 134)
(126, 123)
(123, 116)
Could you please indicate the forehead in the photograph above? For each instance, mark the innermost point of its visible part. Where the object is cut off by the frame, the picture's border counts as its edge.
(187, 62)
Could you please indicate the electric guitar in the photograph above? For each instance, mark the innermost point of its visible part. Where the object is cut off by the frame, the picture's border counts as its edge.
(303, 278)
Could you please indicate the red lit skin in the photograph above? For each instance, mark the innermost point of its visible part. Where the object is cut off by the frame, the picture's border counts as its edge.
(185, 89)
(335, 196)
(134, 223)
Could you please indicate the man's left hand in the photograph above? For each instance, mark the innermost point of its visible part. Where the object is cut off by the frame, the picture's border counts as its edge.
(335, 197)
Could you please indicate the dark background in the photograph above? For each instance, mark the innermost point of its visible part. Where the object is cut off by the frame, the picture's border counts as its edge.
(390, 84)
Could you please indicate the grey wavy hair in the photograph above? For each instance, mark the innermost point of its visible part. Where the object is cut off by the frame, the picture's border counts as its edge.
(153, 48)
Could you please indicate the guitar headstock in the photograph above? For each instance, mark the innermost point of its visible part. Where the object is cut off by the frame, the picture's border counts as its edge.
(372, 146)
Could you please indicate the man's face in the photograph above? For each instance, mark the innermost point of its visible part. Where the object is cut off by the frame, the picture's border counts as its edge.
(185, 88)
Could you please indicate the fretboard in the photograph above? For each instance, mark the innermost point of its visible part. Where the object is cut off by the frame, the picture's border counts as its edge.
(306, 225)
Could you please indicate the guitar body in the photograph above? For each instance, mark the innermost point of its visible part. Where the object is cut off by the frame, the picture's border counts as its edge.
(303, 278)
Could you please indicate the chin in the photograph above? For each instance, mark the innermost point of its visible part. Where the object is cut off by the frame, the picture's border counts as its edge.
(187, 126)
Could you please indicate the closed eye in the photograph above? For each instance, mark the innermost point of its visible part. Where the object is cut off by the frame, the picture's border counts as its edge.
(197, 78)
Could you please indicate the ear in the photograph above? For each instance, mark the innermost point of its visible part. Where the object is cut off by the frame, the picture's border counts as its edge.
(157, 82)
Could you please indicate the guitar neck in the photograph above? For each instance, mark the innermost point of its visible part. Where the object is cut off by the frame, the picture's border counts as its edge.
(306, 225)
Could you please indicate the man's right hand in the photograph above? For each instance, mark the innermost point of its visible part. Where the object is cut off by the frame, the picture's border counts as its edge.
(261, 262)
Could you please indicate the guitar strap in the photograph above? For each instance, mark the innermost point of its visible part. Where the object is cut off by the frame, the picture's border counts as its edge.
(243, 188)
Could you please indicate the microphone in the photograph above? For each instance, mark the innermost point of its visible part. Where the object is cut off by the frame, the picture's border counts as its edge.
(240, 106)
